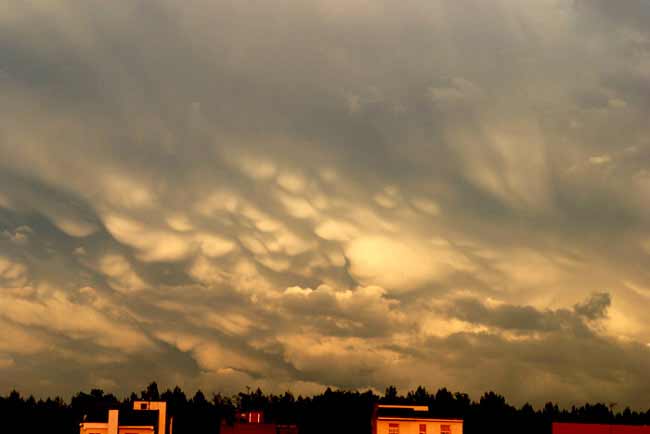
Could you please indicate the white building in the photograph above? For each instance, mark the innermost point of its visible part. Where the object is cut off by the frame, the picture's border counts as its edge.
(112, 426)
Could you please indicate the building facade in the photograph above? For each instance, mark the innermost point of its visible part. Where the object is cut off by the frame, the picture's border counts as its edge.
(152, 420)
(252, 422)
(411, 419)
(593, 428)
(113, 426)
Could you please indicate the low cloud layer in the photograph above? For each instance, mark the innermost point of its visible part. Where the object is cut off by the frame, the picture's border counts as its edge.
(307, 194)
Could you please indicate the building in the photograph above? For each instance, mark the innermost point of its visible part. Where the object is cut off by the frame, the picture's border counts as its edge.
(593, 428)
(252, 422)
(113, 426)
(411, 419)
(148, 417)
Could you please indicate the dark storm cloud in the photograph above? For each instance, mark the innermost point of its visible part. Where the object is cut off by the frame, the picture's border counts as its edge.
(551, 365)
(529, 319)
(634, 13)
(522, 318)
(595, 307)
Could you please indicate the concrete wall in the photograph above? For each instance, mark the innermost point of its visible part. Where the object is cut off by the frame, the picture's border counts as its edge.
(113, 427)
(136, 430)
(113, 421)
(93, 428)
(413, 427)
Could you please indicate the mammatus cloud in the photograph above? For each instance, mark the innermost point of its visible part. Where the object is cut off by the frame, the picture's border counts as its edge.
(313, 194)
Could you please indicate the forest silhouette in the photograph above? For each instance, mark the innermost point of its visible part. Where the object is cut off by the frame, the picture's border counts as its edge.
(333, 411)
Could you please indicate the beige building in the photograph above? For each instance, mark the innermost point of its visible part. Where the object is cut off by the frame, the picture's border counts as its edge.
(159, 423)
(411, 419)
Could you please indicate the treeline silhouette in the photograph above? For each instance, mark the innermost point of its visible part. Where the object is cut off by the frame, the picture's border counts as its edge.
(333, 411)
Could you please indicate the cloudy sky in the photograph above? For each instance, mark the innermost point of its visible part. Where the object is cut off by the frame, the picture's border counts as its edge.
(348, 193)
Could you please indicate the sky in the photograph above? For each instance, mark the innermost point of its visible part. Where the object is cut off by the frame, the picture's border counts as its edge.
(296, 195)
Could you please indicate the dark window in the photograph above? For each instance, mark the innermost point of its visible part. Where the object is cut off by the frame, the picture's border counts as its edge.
(393, 428)
(423, 428)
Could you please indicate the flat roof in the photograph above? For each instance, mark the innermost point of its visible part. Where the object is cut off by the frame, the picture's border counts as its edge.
(427, 419)
(410, 407)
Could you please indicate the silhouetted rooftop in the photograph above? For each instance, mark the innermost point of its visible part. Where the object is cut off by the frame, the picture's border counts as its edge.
(139, 418)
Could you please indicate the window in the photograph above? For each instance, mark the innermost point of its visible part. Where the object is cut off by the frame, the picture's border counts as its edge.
(423, 428)
(445, 429)
(393, 428)
(143, 406)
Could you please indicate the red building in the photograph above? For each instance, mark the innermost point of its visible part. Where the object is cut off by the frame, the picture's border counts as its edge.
(589, 428)
(252, 422)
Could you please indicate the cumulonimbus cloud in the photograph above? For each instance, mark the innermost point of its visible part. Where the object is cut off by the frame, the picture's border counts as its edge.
(422, 194)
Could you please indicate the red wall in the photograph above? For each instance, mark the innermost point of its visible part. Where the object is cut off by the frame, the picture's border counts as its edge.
(249, 428)
(583, 428)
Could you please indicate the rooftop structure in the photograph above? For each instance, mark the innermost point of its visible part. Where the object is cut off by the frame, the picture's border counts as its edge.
(158, 406)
